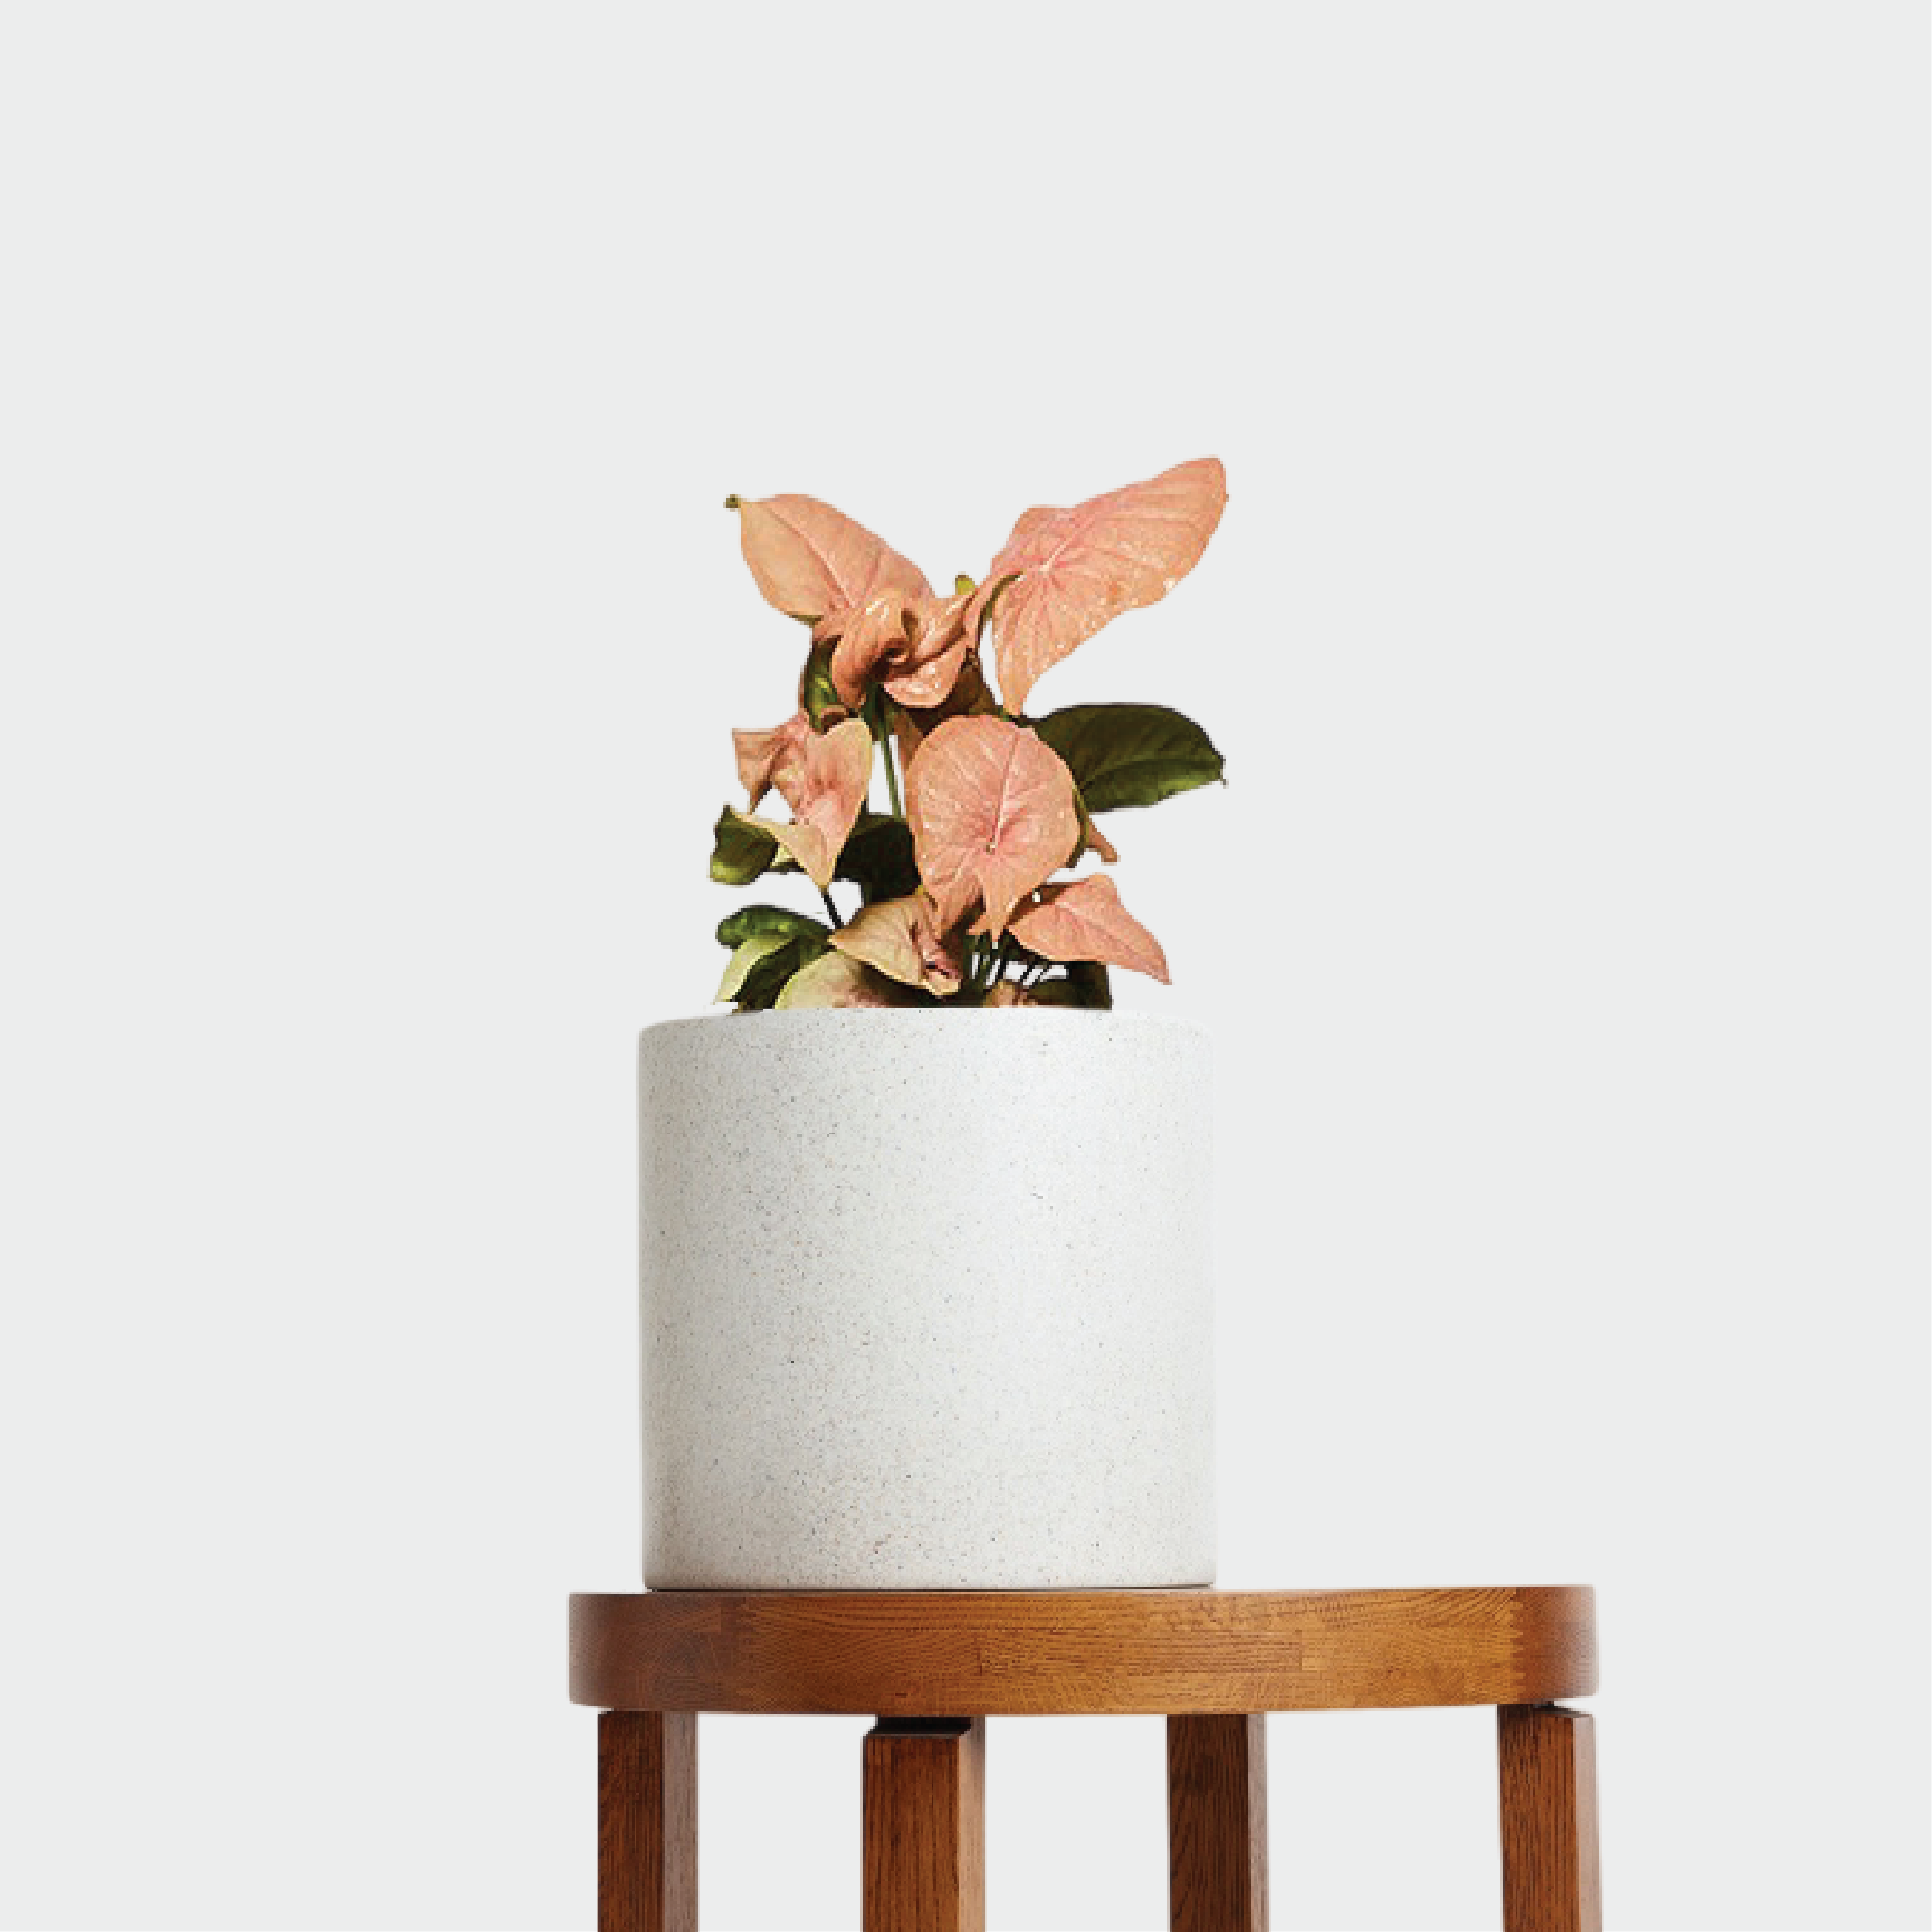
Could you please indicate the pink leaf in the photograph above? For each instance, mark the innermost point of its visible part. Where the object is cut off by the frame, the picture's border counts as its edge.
(899, 938)
(867, 637)
(937, 642)
(811, 561)
(761, 755)
(914, 646)
(1084, 920)
(821, 775)
(1074, 570)
(993, 814)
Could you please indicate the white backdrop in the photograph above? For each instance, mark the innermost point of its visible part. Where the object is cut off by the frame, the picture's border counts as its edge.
(370, 377)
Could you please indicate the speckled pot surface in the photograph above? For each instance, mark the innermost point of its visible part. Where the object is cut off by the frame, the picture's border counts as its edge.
(927, 1301)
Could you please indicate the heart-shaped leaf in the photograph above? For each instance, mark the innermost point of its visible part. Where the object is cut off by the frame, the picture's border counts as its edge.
(1084, 920)
(811, 561)
(1124, 755)
(899, 938)
(750, 920)
(821, 775)
(763, 755)
(993, 815)
(1073, 570)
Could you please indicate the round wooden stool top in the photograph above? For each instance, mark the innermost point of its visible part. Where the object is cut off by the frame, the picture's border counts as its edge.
(987, 1653)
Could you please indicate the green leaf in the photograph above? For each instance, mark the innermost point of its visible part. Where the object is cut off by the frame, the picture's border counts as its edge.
(878, 857)
(750, 920)
(742, 852)
(818, 696)
(1124, 755)
(766, 979)
(1086, 985)
(745, 960)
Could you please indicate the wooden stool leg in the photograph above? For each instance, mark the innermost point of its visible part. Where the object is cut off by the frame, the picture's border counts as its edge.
(925, 1825)
(1217, 1824)
(1549, 1764)
(648, 1822)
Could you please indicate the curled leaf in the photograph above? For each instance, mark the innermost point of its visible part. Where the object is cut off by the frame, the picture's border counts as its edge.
(737, 927)
(937, 644)
(865, 636)
(744, 957)
(993, 815)
(900, 939)
(742, 850)
(818, 697)
(1073, 570)
(767, 970)
(811, 561)
(834, 979)
(761, 754)
(1084, 920)
(914, 645)
(821, 775)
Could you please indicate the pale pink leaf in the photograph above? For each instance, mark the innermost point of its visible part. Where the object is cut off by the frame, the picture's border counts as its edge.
(823, 778)
(1073, 570)
(1084, 920)
(867, 637)
(900, 938)
(993, 814)
(937, 642)
(914, 645)
(761, 755)
(810, 560)
(833, 980)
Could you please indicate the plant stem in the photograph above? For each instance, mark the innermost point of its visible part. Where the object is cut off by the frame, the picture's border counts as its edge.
(874, 715)
(831, 910)
(892, 773)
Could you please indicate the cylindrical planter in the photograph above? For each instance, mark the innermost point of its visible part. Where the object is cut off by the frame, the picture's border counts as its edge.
(927, 1301)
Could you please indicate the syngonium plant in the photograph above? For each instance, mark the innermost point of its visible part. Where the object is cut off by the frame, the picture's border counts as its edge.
(959, 897)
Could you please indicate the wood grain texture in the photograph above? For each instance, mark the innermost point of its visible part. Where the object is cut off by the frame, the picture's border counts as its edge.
(648, 1822)
(925, 1825)
(1217, 1823)
(1550, 1881)
(1163, 1652)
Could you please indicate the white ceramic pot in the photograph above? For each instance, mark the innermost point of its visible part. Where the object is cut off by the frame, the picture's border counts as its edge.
(927, 1301)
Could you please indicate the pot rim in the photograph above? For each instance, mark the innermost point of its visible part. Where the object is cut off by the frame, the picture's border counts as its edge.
(836, 1018)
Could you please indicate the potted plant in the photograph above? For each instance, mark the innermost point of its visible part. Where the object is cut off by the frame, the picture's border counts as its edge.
(926, 1299)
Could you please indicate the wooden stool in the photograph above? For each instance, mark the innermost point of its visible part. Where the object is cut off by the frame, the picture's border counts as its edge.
(934, 1666)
